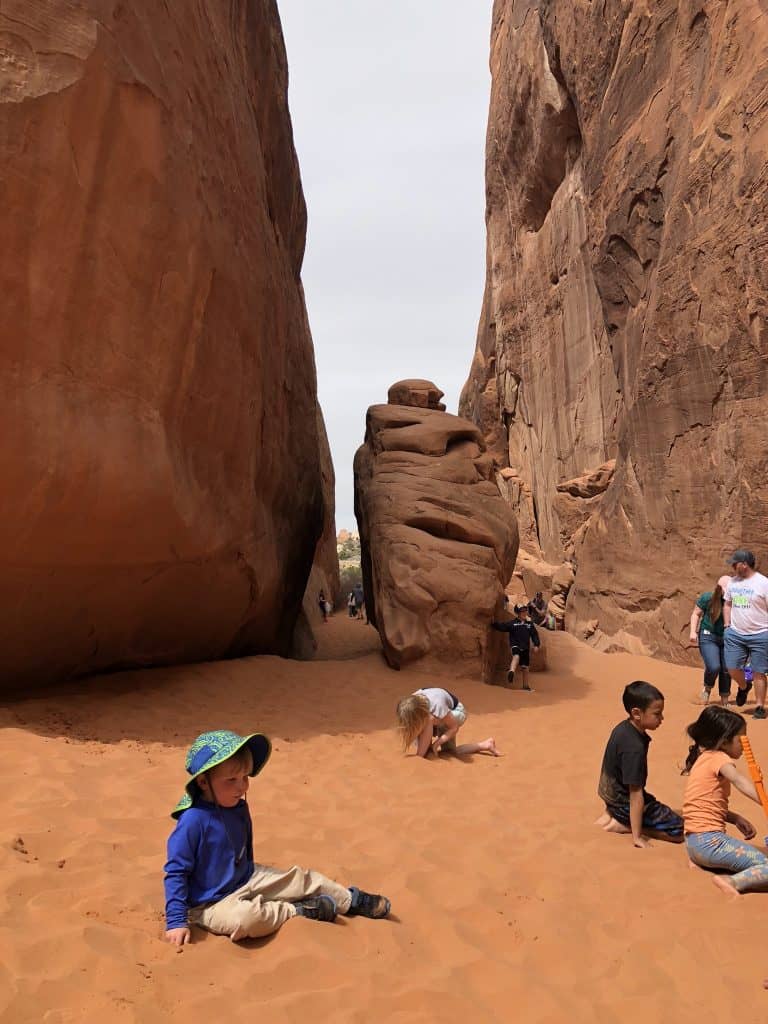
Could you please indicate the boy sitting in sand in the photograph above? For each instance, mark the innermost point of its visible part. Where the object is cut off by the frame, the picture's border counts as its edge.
(628, 808)
(431, 718)
(210, 877)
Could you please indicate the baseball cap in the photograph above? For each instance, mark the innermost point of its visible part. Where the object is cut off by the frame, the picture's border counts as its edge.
(742, 555)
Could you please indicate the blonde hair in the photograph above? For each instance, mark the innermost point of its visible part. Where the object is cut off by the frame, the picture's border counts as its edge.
(412, 716)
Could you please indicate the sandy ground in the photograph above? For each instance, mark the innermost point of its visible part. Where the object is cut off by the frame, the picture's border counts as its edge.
(509, 905)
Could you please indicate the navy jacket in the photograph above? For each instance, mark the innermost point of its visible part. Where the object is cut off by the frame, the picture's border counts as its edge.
(520, 633)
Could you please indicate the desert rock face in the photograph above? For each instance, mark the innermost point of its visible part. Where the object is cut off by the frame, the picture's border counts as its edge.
(160, 464)
(438, 541)
(324, 575)
(620, 370)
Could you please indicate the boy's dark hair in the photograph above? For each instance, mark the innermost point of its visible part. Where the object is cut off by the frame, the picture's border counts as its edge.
(714, 727)
(640, 695)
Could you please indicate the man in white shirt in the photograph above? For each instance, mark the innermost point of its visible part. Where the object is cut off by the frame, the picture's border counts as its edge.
(745, 613)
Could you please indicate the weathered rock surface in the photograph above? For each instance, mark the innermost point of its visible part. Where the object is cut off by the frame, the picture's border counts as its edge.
(626, 308)
(161, 482)
(324, 576)
(438, 541)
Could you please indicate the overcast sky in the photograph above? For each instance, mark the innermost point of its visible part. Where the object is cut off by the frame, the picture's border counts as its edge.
(389, 104)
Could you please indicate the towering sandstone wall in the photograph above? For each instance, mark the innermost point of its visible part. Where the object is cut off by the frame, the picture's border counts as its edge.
(160, 465)
(626, 305)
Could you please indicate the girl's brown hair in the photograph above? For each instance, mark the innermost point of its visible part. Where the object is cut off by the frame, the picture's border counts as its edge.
(712, 729)
(715, 606)
(412, 715)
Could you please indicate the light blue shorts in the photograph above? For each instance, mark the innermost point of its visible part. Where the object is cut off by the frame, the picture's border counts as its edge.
(460, 713)
(743, 647)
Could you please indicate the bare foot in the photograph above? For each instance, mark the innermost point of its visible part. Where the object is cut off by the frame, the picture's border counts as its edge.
(489, 747)
(603, 820)
(617, 827)
(721, 881)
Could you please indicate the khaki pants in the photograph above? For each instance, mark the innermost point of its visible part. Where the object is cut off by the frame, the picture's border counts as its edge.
(265, 902)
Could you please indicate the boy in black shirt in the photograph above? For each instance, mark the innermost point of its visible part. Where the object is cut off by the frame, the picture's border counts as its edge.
(628, 807)
(521, 632)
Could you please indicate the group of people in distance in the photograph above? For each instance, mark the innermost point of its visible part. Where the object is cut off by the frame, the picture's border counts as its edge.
(355, 604)
(729, 624)
(711, 770)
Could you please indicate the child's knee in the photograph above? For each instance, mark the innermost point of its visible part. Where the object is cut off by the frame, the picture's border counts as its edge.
(253, 919)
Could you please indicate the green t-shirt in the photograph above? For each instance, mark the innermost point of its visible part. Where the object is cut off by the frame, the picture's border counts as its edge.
(715, 627)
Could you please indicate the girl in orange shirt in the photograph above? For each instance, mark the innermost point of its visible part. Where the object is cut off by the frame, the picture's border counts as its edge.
(711, 771)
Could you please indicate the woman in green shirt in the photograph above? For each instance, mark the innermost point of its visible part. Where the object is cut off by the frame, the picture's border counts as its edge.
(707, 633)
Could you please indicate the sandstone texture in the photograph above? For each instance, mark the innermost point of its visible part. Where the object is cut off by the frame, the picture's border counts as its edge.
(620, 372)
(160, 467)
(438, 541)
(324, 575)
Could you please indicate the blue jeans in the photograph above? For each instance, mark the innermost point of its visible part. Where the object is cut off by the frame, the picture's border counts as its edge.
(747, 866)
(712, 651)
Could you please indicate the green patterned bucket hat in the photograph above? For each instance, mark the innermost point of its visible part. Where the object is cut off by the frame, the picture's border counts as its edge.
(212, 748)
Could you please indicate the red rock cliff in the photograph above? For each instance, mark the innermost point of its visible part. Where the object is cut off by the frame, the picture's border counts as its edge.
(160, 467)
(626, 299)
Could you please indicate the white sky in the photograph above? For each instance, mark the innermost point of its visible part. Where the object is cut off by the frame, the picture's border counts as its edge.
(389, 103)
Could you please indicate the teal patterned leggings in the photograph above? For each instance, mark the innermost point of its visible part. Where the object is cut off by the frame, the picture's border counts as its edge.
(716, 850)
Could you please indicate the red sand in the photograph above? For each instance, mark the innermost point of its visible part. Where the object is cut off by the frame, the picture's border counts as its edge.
(508, 903)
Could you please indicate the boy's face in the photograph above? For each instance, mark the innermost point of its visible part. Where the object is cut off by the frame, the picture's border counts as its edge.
(650, 718)
(227, 783)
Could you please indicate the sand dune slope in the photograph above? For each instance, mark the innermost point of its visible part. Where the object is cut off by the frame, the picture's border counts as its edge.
(508, 904)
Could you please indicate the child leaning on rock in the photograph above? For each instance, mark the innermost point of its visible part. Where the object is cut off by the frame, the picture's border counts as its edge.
(211, 879)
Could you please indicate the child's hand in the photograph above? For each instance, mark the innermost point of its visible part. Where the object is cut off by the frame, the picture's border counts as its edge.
(178, 936)
(641, 843)
(746, 828)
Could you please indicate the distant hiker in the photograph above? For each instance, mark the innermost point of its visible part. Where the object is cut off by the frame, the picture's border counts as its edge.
(211, 879)
(628, 807)
(745, 613)
(431, 718)
(324, 605)
(357, 590)
(538, 609)
(707, 633)
(351, 605)
(521, 632)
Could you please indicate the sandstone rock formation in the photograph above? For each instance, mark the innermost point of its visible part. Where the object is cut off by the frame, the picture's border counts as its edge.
(324, 575)
(161, 484)
(626, 304)
(438, 541)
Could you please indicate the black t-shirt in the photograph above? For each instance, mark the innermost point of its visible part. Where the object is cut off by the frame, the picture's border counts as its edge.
(625, 763)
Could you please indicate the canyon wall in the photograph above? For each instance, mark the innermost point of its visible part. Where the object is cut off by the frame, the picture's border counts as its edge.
(160, 467)
(620, 370)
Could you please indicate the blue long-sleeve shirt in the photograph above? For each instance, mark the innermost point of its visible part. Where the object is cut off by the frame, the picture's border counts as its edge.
(210, 854)
(521, 633)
